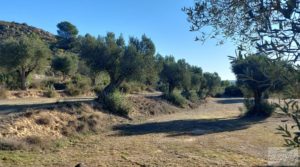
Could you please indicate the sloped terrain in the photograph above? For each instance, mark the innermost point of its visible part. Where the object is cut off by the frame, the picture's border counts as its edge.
(13, 29)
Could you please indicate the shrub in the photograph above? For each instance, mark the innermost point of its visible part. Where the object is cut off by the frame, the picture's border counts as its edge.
(46, 84)
(73, 90)
(233, 91)
(132, 87)
(266, 108)
(117, 103)
(203, 93)
(42, 120)
(50, 93)
(163, 87)
(79, 85)
(191, 95)
(3, 93)
(176, 98)
(36, 84)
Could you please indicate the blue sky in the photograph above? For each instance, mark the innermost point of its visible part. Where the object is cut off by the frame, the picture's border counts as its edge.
(161, 20)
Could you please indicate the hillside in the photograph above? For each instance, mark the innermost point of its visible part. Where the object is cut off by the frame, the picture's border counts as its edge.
(13, 29)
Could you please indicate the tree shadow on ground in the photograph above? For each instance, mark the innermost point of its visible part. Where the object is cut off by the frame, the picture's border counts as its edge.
(13, 108)
(192, 127)
(230, 101)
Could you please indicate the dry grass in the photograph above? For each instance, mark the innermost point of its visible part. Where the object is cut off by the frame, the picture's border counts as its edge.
(55, 123)
(181, 139)
(3, 93)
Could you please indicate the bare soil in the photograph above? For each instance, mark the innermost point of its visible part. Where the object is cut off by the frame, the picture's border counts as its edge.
(210, 135)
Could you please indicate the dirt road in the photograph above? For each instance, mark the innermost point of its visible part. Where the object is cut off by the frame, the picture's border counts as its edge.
(211, 135)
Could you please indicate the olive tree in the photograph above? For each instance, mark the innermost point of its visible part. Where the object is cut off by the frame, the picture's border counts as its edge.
(122, 62)
(259, 74)
(175, 74)
(24, 55)
(270, 26)
(66, 63)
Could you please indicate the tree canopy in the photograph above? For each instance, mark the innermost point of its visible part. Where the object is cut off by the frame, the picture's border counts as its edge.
(24, 55)
(259, 74)
(121, 61)
(66, 63)
(67, 35)
(271, 26)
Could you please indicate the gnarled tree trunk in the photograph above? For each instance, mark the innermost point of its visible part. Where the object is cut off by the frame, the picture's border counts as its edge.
(23, 77)
(258, 100)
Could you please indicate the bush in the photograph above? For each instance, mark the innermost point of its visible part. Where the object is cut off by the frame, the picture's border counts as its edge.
(10, 80)
(132, 87)
(3, 93)
(43, 121)
(266, 108)
(50, 93)
(233, 91)
(79, 85)
(46, 84)
(176, 98)
(163, 87)
(202, 94)
(191, 95)
(117, 103)
(73, 90)
(35, 84)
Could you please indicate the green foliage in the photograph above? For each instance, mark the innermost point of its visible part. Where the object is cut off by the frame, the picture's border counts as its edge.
(66, 63)
(293, 88)
(132, 87)
(202, 93)
(67, 34)
(50, 93)
(176, 98)
(268, 26)
(24, 55)
(212, 83)
(100, 81)
(10, 80)
(175, 74)
(79, 85)
(259, 74)
(117, 103)
(121, 62)
(290, 132)
(163, 87)
(233, 91)
(265, 109)
(48, 83)
(191, 95)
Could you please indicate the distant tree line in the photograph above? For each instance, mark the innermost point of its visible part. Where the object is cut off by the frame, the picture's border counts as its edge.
(104, 64)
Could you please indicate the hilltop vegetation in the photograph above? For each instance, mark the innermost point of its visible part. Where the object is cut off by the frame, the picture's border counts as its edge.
(13, 29)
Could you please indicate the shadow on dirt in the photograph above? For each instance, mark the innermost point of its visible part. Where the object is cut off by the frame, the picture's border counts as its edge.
(193, 127)
(230, 101)
(9, 108)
